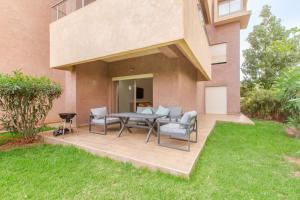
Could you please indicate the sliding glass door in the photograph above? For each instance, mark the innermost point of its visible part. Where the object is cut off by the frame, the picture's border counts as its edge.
(134, 93)
(126, 96)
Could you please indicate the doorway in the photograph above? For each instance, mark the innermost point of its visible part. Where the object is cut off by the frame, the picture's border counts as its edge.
(216, 100)
(133, 93)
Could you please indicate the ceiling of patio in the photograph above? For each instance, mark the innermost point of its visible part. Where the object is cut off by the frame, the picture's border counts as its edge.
(168, 51)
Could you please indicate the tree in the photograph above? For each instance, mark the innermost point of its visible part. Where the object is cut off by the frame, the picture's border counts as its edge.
(272, 49)
(25, 102)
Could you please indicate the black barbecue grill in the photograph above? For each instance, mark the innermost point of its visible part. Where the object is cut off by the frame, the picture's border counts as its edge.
(67, 119)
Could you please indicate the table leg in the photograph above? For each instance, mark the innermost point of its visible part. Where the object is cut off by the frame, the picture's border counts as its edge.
(122, 126)
(151, 129)
(126, 125)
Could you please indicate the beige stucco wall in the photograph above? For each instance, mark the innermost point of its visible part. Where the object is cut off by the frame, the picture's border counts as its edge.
(24, 39)
(195, 37)
(110, 27)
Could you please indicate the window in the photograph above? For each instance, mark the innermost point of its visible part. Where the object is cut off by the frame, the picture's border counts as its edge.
(228, 7)
(219, 53)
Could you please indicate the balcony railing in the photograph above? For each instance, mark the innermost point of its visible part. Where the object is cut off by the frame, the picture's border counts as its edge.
(65, 7)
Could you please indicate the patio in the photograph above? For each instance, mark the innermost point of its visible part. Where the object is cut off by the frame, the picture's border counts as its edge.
(131, 147)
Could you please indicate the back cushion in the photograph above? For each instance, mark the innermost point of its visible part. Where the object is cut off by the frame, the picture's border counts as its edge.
(99, 112)
(185, 119)
(162, 111)
(175, 111)
(141, 109)
(147, 111)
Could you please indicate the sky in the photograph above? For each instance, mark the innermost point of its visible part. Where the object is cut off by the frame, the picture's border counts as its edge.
(287, 10)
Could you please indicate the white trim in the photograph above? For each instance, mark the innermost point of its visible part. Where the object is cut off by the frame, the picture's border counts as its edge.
(140, 76)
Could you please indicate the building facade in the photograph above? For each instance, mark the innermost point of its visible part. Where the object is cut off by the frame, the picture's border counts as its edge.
(129, 53)
(24, 39)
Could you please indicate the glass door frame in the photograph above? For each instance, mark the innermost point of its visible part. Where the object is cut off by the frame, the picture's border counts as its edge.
(134, 78)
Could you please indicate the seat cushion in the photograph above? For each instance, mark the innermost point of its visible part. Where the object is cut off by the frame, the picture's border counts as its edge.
(99, 113)
(167, 120)
(172, 129)
(162, 111)
(109, 120)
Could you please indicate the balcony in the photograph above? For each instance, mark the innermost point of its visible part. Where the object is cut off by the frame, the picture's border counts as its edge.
(227, 11)
(65, 7)
(109, 30)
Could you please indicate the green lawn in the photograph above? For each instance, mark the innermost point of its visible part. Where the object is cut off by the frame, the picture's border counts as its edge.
(238, 162)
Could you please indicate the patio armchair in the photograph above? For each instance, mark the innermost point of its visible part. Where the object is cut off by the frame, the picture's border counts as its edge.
(98, 117)
(181, 130)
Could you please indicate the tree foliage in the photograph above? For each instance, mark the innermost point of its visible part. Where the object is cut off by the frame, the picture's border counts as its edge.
(281, 102)
(287, 87)
(25, 101)
(272, 49)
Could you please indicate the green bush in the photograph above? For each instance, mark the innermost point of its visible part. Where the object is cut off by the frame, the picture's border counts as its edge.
(281, 102)
(25, 102)
(261, 103)
(288, 89)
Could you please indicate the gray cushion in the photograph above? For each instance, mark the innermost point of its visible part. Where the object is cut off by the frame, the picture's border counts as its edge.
(99, 113)
(167, 120)
(175, 112)
(193, 113)
(162, 111)
(187, 117)
(147, 111)
(172, 129)
(141, 109)
(109, 120)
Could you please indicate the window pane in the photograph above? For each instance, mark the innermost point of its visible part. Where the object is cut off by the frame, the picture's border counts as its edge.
(223, 8)
(235, 5)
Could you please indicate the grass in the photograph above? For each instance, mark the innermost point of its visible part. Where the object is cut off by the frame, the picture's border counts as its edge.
(238, 162)
(7, 137)
(10, 136)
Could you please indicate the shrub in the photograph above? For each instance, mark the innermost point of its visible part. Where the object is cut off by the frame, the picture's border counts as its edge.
(281, 102)
(288, 90)
(25, 102)
(261, 103)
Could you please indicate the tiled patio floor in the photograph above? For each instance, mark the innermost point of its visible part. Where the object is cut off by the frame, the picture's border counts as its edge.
(131, 147)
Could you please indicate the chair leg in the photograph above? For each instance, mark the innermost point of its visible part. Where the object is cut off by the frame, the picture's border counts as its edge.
(189, 142)
(105, 129)
(101, 133)
(158, 135)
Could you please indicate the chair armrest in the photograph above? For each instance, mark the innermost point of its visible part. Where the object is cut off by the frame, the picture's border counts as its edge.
(184, 124)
